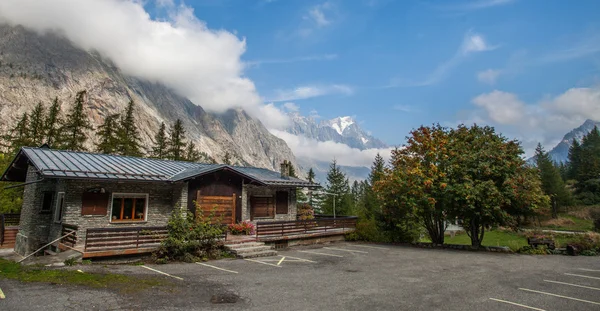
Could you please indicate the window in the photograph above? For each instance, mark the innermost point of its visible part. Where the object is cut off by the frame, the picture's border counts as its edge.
(47, 200)
(282, 202)
(129, 207)
(58, 209)
(93, 203)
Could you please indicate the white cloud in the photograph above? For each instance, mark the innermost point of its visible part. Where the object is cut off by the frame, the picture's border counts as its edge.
(544, 121)
(321, 57)
(179, 51)
(589, 45)
(471, 43)
(316, 14)
(304, 92)
(403, 108)
(489, 76)
(289, 106)
(476, 5)
(324, 151)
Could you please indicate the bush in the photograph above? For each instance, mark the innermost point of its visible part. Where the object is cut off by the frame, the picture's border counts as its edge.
(595, 214)
(366, 230)
(244, 227)
(190, 239)
(305, 212)
(70, 261)
(584, 243)
(528, 250)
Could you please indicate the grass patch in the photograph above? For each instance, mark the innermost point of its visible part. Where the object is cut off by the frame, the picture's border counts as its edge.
(122, 283)
(491, 238)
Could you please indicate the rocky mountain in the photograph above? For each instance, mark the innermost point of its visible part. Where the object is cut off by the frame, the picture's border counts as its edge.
(560, 153)
(340, 130)
(36, 68)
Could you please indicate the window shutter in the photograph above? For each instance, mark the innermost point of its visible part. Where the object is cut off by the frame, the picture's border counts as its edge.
(262, 206)
(282, 202)
(94, 203)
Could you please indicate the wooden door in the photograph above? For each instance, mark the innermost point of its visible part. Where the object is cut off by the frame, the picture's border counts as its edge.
(220, 207)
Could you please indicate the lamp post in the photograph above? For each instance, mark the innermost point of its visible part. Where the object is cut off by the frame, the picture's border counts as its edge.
(334, 195)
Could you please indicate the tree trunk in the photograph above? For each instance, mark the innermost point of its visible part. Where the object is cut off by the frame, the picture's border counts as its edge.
(476, 233)
(554, 208)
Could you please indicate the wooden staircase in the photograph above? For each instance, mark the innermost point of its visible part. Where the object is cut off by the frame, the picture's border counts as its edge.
(10, 237)
(251, 249)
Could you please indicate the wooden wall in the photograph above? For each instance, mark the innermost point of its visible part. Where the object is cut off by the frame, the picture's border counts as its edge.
(221, 183)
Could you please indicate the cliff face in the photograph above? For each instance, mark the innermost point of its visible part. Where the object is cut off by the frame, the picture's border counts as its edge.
(36, 68)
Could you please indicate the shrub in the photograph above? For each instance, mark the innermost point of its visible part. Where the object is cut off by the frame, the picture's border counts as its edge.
(244, 227)
(528, 250)
(366, 230)
(595, 214)
(70, 261)
(190, 239)
(305, 212)
(583, 243)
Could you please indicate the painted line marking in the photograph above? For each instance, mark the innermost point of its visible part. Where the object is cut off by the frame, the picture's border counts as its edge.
(324, 254)
(516, 304)
(211, 266)
(576, 285)
(2, 294)
(345, 250)
(300, 259)
(281, 260)
(264, 263)
(584, 276)
(164, 273)
(590, 270)
(368, 246)
(560, 296)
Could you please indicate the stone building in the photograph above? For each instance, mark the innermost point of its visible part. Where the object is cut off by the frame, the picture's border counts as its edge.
(88, 192)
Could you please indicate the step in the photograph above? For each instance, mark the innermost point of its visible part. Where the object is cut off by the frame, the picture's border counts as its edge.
(251, 249)
(268, 253)
(49, 252)
(244, 245)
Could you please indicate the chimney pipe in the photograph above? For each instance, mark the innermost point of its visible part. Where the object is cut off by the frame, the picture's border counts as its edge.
(285, 169)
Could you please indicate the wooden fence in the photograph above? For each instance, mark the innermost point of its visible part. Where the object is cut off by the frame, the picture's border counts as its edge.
(69, 240)
(299, 227)
(9, 227)
(112, 239)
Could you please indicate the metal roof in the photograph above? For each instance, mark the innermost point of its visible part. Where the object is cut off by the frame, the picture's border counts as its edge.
(52, 163)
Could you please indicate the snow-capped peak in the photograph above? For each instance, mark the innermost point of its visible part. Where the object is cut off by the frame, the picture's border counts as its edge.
(340, 123)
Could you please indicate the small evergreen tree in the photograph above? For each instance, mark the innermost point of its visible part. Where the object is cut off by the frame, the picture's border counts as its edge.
(161, 143)
(107, 133)
(36, 125)
(19, 136)
(76, 125)
(191, 154)
(552, 184)
(128, 134)
(227, 158)
(339, 191)
(176, 150)
(53, 124)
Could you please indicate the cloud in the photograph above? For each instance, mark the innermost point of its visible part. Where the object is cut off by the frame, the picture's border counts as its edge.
(289, 106)
(476, 5)
(589, 45)
(544, 121)
(304, 92)
(179, 50)
(489, 76)
(328, 150)
(403, 108)
(321, 57)
(472, 43)
(317, 17)
(314, 114)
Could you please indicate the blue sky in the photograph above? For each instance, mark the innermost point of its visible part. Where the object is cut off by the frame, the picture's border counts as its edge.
(394, 65)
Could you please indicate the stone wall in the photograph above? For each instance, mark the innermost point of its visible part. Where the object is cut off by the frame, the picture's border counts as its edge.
(250, 190)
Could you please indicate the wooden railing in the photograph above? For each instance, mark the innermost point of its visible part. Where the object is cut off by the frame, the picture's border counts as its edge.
(11, 219)
(297, 227)
(105, 239)
(69, 240)
(8, 220)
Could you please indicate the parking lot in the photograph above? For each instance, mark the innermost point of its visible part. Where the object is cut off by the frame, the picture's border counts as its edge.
(352, 276)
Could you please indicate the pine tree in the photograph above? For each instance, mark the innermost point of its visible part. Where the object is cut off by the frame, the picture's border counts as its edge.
(292, 170)
(107, 134)
(552, 184)
(176, 150)
(128, 134)
(52, 124)
(191, 154)
(36, 125)
(227, 158)
(19, 136)
(76, 125)
(377, 169)
(311, 178)
(574, 159)
(161, 143)
(338, 190)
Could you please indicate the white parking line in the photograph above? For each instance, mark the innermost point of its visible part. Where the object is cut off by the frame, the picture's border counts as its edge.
(301, 259)
(345, 250)
(560, 296)
(517, 304)
(590, 270)
(576, 285)
(583, 276)
(2, 294)
(280, 261)
(324, 254)
(368, 246)
(175, 277)
(207, 265)
(264, 263)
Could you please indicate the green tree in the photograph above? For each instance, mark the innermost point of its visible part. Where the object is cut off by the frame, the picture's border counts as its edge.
(177, 144)
(161, 143)
(36, 125)
(552, 183)
(108, 135)
(338, 191)
(76, 125)
(574, 160)
(53, 124)
(128, 134)
(19, 135)
(11, 200)
(191, 154)
(525, 194)
(310, 177)
(227, 158)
